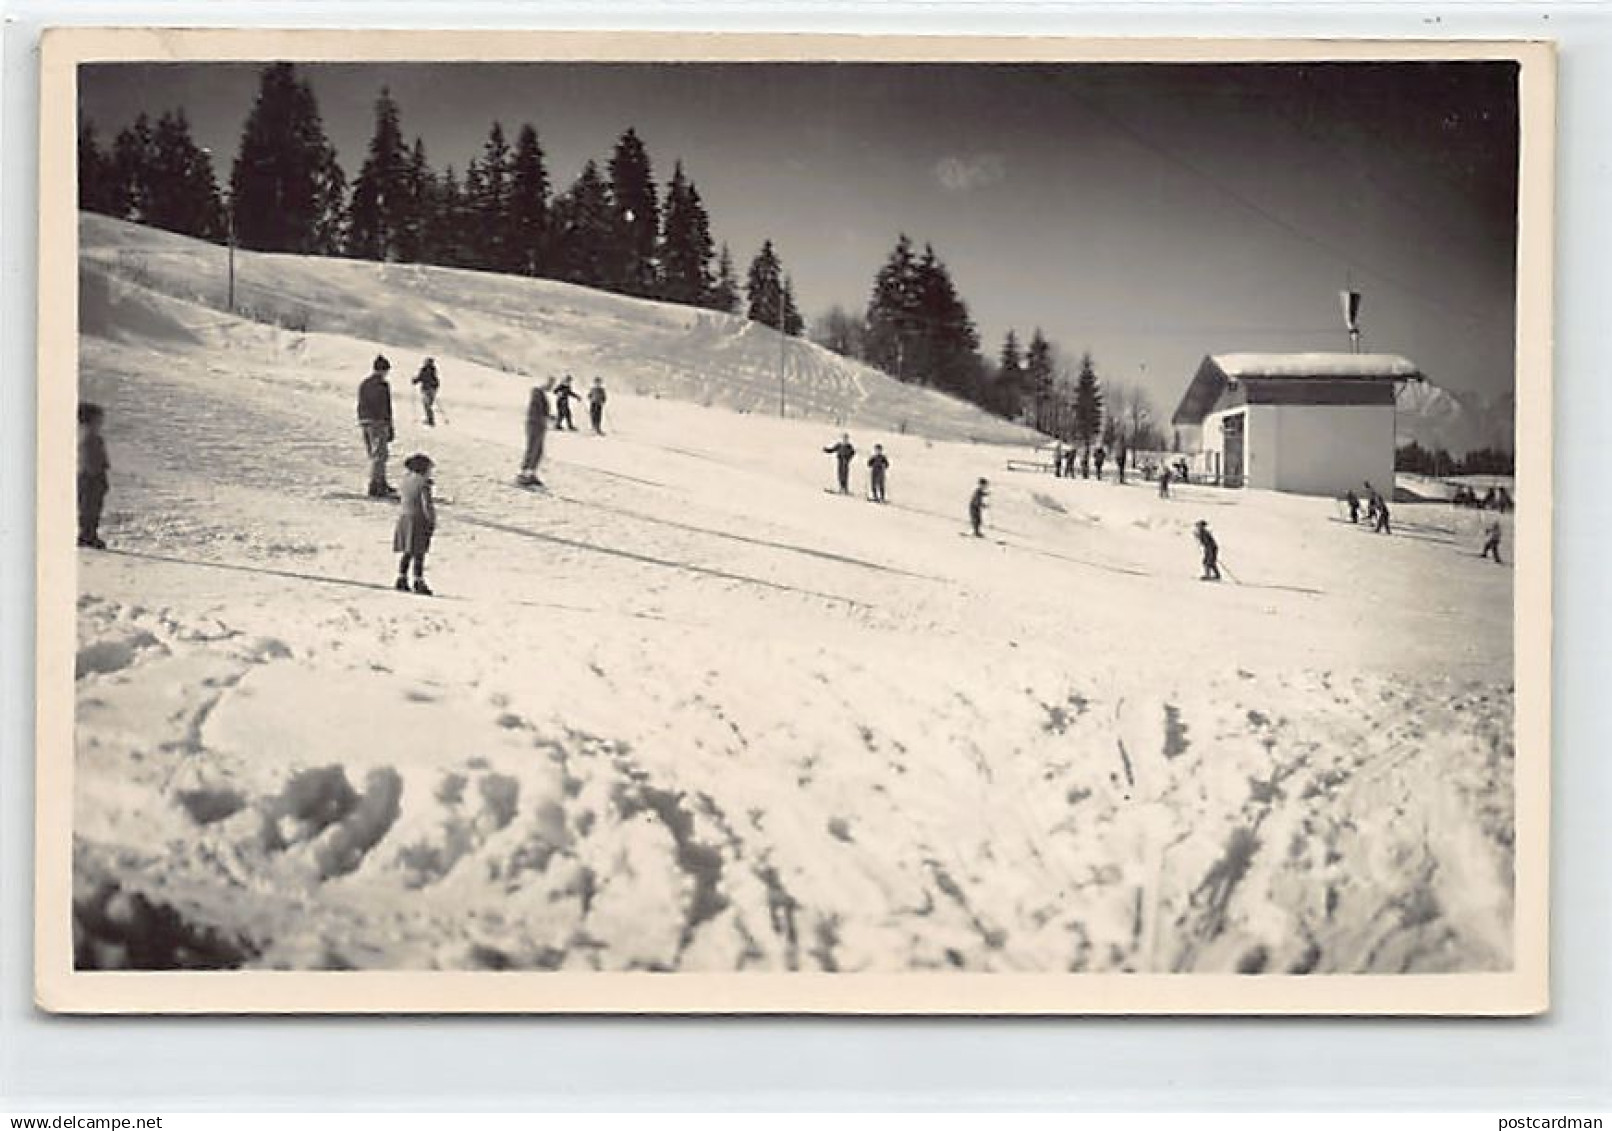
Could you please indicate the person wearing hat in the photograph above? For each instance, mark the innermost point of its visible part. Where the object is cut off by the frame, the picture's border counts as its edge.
(429, 383)
(416, 523)
(843, 453)
(563, 396)
(375, 421)
(878, 464)
(1211, 551)
(976, 506)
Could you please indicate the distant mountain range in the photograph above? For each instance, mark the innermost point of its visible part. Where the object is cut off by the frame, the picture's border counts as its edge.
(1436, 417)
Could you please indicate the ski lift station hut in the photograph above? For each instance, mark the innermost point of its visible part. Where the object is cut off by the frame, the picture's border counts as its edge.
(1306, 423)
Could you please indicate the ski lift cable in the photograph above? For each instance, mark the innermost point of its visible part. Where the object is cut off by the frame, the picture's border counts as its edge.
(1348, 256)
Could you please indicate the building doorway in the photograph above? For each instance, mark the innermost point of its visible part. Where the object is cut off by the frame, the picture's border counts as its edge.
(1231, 429)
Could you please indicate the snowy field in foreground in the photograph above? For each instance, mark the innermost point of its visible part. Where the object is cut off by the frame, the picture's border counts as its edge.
(688, 711)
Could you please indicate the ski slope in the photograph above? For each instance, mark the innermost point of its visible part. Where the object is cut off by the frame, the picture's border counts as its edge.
(689, 711)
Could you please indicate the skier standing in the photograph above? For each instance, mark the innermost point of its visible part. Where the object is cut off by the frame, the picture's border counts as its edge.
(1211, 552)
(877, 465)
(1057, 460)
(563, 396)
(375, 420)
(1119, 460)
(1382, 516)
(537, 427)
(843, 454)
(416, 523)
(596, 403)
(1353, 501)
(976, 507)
(1491, 544)
(93, 468)
(1098, 457)
(1164, 482)
(429, 383)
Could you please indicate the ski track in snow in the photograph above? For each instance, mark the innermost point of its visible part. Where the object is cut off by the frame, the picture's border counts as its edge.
(687, 712)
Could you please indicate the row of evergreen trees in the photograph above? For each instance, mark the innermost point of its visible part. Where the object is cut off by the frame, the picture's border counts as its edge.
(917, 328)
(1438, 462)
(611, 229)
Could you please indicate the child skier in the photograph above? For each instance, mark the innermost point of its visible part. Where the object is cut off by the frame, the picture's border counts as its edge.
(1211, 552)
(416, 522)
(843, 453)
(563, 396)
(976, 507)
(596, 403)
(537, 427)
(429, 383)
(93, 467)
(375, 420)
(1491, 545)
(878, 464)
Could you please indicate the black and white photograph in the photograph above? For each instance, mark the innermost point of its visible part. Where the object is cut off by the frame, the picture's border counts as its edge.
(903, 510)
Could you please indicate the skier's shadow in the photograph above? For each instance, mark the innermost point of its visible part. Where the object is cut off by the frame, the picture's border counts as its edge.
(649, 559)
(268, 571)
(809, 551)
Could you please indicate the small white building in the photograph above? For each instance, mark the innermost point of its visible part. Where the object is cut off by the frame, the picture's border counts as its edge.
(1308, 423)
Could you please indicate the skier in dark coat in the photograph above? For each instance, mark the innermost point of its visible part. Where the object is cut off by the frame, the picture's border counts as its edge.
(878, 464)
(429, 383)
(1119, 460)
(537, 427)
(563, 396)
(596, 403)
(1057, 460)
(1164, 482)
(1098, 457)
(1491, 543)
(1211, 551)
(416, 523)
(1382, 516)
(976, 507)
(1069, 462)
(1353, 501)
(843, 453)
(375, 420)
(93, 469)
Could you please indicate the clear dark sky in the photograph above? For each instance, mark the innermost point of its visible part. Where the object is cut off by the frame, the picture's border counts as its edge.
(1149, 213)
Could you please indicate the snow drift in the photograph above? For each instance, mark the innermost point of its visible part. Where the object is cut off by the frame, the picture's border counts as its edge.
(687, 711)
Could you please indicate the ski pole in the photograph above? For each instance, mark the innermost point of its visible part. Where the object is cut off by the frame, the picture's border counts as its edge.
(1221, 562)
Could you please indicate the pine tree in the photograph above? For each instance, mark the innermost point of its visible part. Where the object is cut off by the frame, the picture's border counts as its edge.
(765, 286)
(1007, 392)
(411, 238)
(583, 228)
(180, 192)
(488, 193)
(280, 185)
(381, 198)
(793, 323)
(892, 315)
(330, 208)
(685, 246)
(445, 222)
(134, 157)
(725, 293)
(1039, 384)
(97, 188)
(949, 344)
(529, 205)
(1088, 420)
(637, 214)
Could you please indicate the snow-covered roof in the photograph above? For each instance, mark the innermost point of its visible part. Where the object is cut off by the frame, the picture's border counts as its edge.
(1319, 378)
(1336, 366)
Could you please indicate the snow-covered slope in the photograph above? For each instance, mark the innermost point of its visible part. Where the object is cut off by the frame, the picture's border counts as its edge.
(532, 327)
(688, 711)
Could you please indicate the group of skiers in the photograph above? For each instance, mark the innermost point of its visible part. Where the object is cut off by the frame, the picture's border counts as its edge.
(416, 522)
(1066, 460)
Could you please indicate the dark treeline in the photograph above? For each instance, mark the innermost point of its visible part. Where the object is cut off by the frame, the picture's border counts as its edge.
(917, 328)
(613, 228)
(1417, 460)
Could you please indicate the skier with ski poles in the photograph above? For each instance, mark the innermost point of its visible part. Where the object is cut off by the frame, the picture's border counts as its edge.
(878, 464)
(563, 396)
(843, 453)
(976, 507)
(1211, 551)
(429, 383)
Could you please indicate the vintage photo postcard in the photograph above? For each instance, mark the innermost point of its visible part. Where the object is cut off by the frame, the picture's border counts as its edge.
(793, 524)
